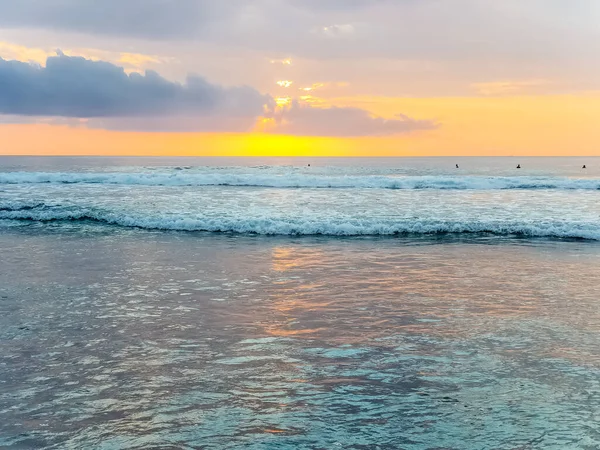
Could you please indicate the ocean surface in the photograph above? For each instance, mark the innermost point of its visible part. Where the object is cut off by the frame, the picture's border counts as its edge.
(265, 303)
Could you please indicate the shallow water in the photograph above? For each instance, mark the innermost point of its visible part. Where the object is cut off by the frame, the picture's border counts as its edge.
(357, 304)
(136, 339)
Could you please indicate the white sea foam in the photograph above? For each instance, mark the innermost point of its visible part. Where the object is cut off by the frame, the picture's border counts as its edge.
(332, 226)
(299, 180)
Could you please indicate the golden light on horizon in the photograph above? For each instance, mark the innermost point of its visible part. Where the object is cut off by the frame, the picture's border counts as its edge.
(470, 126)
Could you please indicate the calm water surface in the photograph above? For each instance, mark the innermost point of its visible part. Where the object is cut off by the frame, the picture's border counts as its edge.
(138, 339)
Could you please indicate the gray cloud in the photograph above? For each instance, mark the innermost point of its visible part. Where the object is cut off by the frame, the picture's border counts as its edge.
(153, 19)
(77, 87)
(544, 30)
(296, 120)
(71, 88)
(302, 120)
(337, 5)
(170, 19)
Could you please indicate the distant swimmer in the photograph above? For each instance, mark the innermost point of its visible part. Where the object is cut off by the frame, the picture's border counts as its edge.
(518, 166)
(309, 165)
(457, 166)
(584, 167)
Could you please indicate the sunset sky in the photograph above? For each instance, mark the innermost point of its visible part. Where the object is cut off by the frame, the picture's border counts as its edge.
(300, 77)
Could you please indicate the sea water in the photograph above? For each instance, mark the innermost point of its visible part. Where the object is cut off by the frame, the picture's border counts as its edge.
(265, 303)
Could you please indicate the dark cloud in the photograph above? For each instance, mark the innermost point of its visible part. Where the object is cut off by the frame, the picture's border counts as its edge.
(77, 87)
(303, 120)
(71, 88)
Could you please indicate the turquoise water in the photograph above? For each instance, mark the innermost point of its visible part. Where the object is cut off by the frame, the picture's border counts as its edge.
(548, 197)
(115, 335)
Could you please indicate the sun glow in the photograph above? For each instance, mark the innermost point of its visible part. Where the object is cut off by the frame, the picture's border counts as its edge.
(313, 87)
(283, 101)
(312, 100)
(469, 126)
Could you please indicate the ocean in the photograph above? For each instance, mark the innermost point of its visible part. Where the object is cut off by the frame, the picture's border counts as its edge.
(299, 303)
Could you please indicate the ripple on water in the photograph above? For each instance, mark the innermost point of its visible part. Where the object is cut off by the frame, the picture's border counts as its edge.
(321, 344)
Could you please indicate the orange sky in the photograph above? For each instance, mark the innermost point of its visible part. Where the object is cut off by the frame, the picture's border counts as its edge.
(528, 125)
(495, 77)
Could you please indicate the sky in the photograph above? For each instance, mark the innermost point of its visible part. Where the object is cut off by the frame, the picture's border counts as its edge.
(300, 77)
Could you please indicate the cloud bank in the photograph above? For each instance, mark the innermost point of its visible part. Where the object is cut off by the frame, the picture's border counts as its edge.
(414, 47)
(78, 87)
(304, 120)
(422, 29)
(105, 96)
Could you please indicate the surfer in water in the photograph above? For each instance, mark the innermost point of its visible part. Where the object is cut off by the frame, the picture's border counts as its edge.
(584, 167)
(457, 166)
(518, 166)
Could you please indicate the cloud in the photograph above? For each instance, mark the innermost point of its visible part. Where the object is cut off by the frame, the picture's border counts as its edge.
(495, 88)
(304, 120)
(337, 5)
(153, 19)
(78, 87)
(337, 31)
(164, 19)
(519, 30)
(283, 62)
(131, 62)
(330, 85)
(98, 94)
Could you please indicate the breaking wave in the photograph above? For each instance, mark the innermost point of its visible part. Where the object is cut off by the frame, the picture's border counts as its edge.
(295, 180)
(334, 226)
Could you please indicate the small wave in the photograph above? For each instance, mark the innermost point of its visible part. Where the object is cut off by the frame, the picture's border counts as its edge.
(305, 226)
(295, 180)
(22, 206)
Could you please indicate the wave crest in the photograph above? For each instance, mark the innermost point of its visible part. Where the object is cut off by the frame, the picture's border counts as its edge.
(290, 226)
(178, 178)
